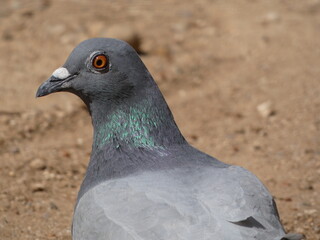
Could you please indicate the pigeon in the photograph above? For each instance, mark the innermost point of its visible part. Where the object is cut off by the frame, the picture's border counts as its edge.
(144, 181)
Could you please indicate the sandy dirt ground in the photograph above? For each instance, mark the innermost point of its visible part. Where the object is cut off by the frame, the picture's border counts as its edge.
(241, 77)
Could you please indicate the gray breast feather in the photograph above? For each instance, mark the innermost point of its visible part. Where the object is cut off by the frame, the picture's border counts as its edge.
(177, 204)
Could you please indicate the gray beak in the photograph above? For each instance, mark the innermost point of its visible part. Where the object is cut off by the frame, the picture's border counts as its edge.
(59, 81)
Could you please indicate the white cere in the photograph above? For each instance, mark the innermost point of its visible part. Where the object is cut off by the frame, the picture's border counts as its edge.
(61, 73)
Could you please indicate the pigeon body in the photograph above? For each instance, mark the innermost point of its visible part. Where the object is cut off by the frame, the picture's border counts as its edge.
(144, 181)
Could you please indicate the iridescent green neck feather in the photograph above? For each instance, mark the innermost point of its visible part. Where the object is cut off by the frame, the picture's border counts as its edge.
(136, 126)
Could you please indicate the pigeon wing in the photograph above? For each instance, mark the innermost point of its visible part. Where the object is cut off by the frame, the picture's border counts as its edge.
(203, 203)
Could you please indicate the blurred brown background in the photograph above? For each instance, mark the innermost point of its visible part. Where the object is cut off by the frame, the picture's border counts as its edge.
(241, 77)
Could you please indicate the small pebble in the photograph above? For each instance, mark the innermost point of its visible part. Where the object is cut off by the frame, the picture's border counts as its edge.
(265, 109)
(38, 164)
(38, 187)
(53, 206)
(80, 142)
(271, 17)
(48, 175)
(310, 211)
(60, 114)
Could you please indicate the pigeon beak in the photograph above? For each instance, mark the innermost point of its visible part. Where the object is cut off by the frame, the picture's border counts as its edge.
(58, 81)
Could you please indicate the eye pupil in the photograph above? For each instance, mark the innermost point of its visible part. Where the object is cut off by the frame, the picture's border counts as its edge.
(99, 62)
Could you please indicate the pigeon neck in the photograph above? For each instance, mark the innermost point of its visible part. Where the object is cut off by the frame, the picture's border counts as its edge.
(143, 124)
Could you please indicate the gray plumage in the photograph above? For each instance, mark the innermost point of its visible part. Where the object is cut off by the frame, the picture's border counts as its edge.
(144, 181)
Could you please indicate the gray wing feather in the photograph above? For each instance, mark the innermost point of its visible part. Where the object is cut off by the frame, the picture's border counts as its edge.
(241, 194)
(204, 203)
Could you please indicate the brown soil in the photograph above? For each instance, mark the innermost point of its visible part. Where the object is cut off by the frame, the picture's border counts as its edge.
(241, 77)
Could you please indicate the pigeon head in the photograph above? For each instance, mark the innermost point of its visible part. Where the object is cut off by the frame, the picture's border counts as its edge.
(124, 101)
(100, 69)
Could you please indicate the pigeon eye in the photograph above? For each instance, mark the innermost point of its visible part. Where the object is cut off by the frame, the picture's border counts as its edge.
(100, 62)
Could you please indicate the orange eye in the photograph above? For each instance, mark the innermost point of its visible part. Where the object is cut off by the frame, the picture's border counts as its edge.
(100, 61)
